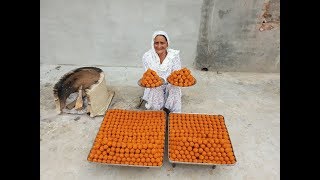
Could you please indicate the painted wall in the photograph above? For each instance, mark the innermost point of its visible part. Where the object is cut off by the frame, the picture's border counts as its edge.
(118, 32)
(239, 36)
(114, 32)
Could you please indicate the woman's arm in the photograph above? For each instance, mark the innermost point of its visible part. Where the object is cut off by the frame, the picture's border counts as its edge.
(145, 62)
(176, 63)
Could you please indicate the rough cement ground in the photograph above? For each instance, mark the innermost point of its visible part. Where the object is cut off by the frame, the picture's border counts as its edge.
(250, 103)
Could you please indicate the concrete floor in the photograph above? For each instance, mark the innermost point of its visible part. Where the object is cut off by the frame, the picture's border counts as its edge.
(250, 103)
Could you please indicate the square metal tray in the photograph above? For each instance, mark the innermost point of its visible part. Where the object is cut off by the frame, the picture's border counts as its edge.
(129, 165)
(182, 162)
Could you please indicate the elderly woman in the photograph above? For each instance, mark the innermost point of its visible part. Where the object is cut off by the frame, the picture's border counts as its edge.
(164, 61)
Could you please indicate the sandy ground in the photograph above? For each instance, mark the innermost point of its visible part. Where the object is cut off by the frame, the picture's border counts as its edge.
(250, 103)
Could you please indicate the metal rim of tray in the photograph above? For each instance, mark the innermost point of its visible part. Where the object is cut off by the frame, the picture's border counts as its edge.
(129, 165)
(208, 164)
(126, 165)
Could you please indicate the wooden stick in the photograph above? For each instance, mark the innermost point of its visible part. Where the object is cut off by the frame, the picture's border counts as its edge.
(79, 101)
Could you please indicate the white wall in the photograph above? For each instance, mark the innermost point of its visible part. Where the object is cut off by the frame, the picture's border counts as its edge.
(114, 32)
(118, 32)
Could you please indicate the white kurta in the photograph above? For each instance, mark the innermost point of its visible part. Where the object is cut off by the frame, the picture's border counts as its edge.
(166, 95)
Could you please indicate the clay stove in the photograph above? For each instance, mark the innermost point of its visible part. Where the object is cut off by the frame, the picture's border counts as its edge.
(83, 90)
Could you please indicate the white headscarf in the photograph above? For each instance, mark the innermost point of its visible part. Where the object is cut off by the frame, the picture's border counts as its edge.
(170, 52)
(156, 33)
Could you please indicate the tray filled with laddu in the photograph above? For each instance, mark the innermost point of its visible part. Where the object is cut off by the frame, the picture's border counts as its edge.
(201, 139)
(130, 138)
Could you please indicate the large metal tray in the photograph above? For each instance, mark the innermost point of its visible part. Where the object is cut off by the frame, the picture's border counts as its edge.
(182, 162)
(129, 165)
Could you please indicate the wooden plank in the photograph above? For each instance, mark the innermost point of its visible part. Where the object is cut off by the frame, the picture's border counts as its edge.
(79, 101)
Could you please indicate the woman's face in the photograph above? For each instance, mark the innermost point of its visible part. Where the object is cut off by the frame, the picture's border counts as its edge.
(160, 44)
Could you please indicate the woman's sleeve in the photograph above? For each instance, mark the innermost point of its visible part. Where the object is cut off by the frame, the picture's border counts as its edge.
(145, 62)
(176, 63)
